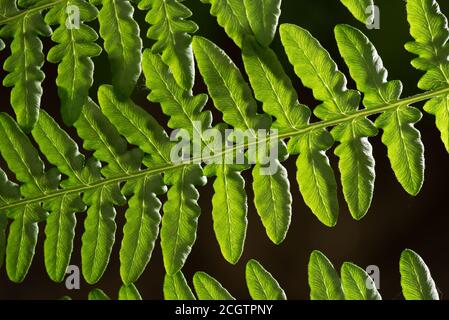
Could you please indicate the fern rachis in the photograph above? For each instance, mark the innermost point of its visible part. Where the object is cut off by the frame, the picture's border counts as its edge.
(131, 161)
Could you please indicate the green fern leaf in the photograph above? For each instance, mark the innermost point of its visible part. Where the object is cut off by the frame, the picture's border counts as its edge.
(61, 151)
(232, 16)
(99, 135)
(74, 50)
(181, 212)
(405, 148)
(319, 72)
(207, 288)
(60, 232)
(263, 17)
(274, 88)
(22, 240)
(261, 284)
(143, 218)
(229, 209)
(273, 201)
(142, 226)
(323, 279)
(122, 44)
(356, 165)
(232, 96)
(176, 288)
(406, 141)
(355, 283)
(416, 280)
(98, 294)
(24, 65)
(138, 126)
(171, 30)
(27, 3)
(129, 292)
(315, 176)
(99, 234)
(183, 108)
(23, 159)
(229, 91)
(429, 27)
(8, 192)
(359, 9)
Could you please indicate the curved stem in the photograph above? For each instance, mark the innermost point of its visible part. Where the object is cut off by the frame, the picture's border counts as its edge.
(25, 12)
(283, 135)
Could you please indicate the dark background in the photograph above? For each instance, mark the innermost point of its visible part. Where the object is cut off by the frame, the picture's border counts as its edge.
(395, 221)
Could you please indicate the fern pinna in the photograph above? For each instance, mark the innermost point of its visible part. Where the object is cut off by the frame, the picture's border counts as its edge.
(324, 281)
(109, 123)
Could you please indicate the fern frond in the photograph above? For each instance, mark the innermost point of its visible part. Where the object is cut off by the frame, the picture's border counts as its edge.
(274, 88)
(233, 97)
(273, 201)
(231, 15)
(24, 161)
(122, 43)
(74, 50)
(314, 174)
(108, 146)
(98, 294)
(137, 126)
(261, 284)
(229, 209)
(184, 109)
(263, 17)
(181, 212)
(171, 30)
(63, 152)
(229, 91)
(319, 72)
(248, 18)
(429, 28)
(177, 288)
(24, 64)
(359, 8)
(355, 283)
(207, 288)
(8, 192)
(142, 226)
(323, 279)
(416, 280)
(126, 292)
(403, 140)
(129, 292)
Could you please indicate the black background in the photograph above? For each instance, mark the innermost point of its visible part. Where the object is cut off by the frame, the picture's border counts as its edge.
(395, 221)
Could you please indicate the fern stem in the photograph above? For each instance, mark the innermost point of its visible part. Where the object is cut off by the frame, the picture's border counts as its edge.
(37, 8)
(283, 135)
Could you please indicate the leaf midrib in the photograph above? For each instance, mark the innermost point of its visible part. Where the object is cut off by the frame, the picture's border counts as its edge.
(283, 135)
